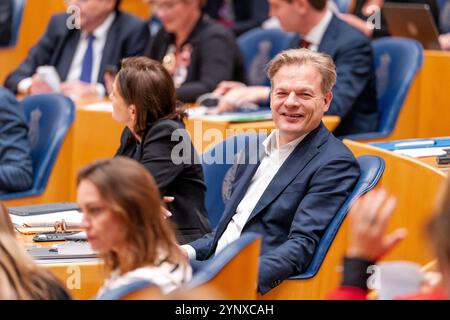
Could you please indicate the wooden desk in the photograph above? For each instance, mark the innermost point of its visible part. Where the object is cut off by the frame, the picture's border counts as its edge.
(82, 279)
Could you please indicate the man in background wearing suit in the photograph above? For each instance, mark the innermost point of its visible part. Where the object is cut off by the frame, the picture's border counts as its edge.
(320, 30)
(299, 181)
(16, 169)
(81, 55)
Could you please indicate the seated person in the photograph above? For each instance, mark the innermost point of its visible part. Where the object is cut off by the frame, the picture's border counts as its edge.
(144, 100)
(16, 167)
(300, 180)
(364, 9)
(354, 96)
(197, 52)
(240, 16)
(368, 242)
(6, 11)
(81, 54)
(20, 277)
(124, 222)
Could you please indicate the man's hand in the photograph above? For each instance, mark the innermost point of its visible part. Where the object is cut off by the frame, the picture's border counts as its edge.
(444, 40)
(39, 86)
(240, 96)
(76, 89)
(167, 213)
(369, 218)
(226, 86)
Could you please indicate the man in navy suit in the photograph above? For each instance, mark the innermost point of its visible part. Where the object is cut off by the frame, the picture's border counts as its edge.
(81, 47)
(15, 152)
(320, 30)
(299, 181)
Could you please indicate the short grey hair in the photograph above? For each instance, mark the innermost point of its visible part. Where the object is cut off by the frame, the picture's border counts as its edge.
(323, 62)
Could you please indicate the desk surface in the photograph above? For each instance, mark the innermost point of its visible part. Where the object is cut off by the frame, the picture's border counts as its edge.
(81, 278)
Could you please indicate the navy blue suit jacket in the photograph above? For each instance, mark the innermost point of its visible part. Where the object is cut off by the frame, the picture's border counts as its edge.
(15, 151)
(355, 90)
(295, 209)
(127, 37)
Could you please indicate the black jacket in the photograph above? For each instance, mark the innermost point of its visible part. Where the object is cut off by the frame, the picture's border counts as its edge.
(215, 57)
(183, 181)
(126, 37)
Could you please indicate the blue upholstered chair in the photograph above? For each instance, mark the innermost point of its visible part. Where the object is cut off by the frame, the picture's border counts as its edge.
(259, 46)
(17, 8)
(125, 290)
(49, 118)
(233, 272)
(397, 61)
(217, 164)
(372, 168)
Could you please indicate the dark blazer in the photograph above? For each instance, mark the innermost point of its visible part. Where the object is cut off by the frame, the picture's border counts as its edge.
(16, 168)
(295, 209)
(126, 37)
(215, 57)
(355, 90)
(183, 181)
(6, 12)
(248, 14)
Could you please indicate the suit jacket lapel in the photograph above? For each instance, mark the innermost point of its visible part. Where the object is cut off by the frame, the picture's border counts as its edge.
(327, 44)
(67, 49)
(109, 49)
(294, 164)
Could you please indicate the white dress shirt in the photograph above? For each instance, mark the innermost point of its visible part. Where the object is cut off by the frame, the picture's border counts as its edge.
(100, 33)
(315, 35)
(272, 161)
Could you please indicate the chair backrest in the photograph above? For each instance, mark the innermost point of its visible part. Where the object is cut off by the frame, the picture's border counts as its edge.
(233, 272)
(49, 118)
(18, 7)
(397, 61)
(372, 168)
(127, 290)
(217, 163)
(259, 46)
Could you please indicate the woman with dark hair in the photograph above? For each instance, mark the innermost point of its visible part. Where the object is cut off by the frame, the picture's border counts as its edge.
(144, 100)
(198, 53)
(124, 222)
(20, 278)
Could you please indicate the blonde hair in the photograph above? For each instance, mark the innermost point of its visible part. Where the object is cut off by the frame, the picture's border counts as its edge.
(133, 196)
(321, 61)
(20, 278)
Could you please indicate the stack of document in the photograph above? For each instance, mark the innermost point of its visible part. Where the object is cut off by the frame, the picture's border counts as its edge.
(71, 218)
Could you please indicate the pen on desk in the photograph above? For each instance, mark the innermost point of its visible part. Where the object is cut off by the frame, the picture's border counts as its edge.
(415, 143)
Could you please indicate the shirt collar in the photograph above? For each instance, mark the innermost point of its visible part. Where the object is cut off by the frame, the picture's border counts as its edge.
(271, 143)
(102, 30)
(316, 34)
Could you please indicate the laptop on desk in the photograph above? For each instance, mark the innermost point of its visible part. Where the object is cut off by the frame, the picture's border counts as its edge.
(412, 21)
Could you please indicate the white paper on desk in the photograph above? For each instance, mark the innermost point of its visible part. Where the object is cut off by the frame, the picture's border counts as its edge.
(399, 278)
(105, 106)
(421, 152)
(50, 76)
(72, 218)
(196, 111)
(75, 248)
